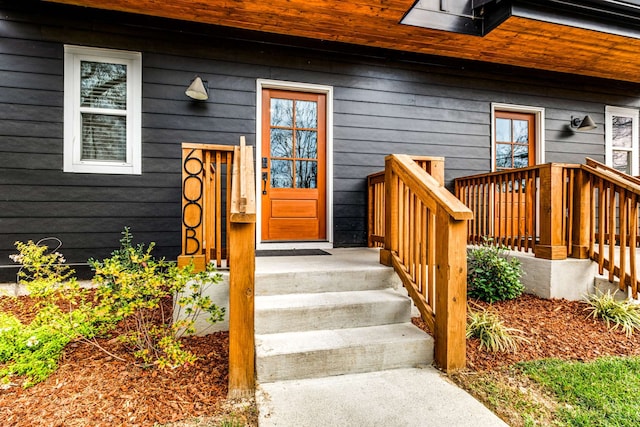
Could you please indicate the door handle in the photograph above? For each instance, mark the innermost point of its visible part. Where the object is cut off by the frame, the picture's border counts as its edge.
(265, 177)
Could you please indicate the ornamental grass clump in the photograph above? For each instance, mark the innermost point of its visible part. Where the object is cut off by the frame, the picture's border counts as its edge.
(493, 334)
(491, 276)
(616, 314)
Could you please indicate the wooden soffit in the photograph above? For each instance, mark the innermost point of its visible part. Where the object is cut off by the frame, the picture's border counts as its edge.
(518, 41)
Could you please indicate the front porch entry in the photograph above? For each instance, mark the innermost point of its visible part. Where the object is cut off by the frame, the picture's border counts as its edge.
(294, 159)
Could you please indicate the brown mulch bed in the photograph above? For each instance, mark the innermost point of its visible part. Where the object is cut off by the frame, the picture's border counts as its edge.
(91, 388)
(555, 328)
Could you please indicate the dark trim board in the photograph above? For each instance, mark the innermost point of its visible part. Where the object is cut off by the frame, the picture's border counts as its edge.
(384, 102)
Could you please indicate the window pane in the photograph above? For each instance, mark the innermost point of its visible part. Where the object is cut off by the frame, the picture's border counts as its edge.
(307, 114)
(281, 112)
(503, 130)
(281, 174)
(521, 131)
(306, 174)
(622, 161)
(503, 156)
(622, 131)
(307, 144)
(104, 137)
(281, 143)
(520, 156)
(103, 85)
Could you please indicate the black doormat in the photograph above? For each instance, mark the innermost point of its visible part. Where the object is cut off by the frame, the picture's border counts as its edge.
(291, 252)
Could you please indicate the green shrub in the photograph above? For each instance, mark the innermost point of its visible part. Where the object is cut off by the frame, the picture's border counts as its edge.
(491, 276)
(616, 314)
(134, 288)
(488, 327)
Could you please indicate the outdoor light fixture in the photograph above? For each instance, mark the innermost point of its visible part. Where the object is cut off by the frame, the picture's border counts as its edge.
(585, 124)
(197, 89)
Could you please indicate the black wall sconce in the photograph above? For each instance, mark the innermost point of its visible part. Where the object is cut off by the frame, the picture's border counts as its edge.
(198, 89)
(583, 124)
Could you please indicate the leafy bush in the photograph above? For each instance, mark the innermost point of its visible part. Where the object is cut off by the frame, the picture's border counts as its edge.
(487, 326)
(491, 276)
(134, 290)
(616, 314)
(136, 287)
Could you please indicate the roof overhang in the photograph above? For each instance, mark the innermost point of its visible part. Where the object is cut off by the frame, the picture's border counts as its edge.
(597, 38)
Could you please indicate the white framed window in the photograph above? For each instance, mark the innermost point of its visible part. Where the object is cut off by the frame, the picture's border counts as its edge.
(621, 139)
(102, 111)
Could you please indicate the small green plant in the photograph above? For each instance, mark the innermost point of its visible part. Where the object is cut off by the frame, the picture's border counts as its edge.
(616, 314)
(491, 276)
(487, 326)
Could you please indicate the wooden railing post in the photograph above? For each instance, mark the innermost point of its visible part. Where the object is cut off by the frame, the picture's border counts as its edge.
(436, 169)
(451, 291)
(552, 243)
(581, 215)
(390, 213)
(242, 232)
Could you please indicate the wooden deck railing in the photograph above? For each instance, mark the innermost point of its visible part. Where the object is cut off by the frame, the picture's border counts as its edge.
(559, 210)
(513, 208)
(205, 203)
(420, 214)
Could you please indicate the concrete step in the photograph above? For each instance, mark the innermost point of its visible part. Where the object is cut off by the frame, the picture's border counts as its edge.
(347, 270)
(330, 310)
(313, 354)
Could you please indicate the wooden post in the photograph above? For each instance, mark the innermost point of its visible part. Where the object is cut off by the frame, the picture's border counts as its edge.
(581, 215)
(552, 244)
(242, 232)
(193, 176)
(390, 213)
(436, 169)
(451, 292)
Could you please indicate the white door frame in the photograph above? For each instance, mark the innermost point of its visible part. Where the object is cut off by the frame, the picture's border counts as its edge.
(298, 87)
(539, 125)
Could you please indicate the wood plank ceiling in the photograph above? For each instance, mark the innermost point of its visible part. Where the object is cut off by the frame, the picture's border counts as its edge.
(518, 41)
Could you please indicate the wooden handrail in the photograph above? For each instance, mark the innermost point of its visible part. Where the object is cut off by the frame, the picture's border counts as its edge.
(242, 231)
(420, 214)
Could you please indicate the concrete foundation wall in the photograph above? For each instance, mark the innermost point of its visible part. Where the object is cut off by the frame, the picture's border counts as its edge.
(219, 294)
(570, 279)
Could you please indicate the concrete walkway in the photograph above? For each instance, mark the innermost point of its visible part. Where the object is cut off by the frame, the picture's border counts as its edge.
(418, 397)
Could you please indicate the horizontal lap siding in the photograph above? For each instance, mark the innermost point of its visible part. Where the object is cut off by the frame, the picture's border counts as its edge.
(381, 106)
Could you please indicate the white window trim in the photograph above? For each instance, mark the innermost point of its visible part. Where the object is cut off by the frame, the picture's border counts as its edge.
(609, 112)
(72, 120)
(299, 87)
(540, 129)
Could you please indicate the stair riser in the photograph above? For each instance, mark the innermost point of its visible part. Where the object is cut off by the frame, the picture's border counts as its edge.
(332, 316)
(325, 281)
(340, 361)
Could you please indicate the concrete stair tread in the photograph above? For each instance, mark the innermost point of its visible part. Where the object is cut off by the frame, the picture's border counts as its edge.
(312, 341)
(295, 301)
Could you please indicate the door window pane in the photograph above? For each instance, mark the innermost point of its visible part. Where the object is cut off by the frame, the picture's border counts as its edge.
(281, 174)
(307, 114)
(521, 131)
(307, 144)
(306, 174)
(520, 156)
(503, 130)
(104, 137)
(281, 112)
(503, 156)
(281, 143)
